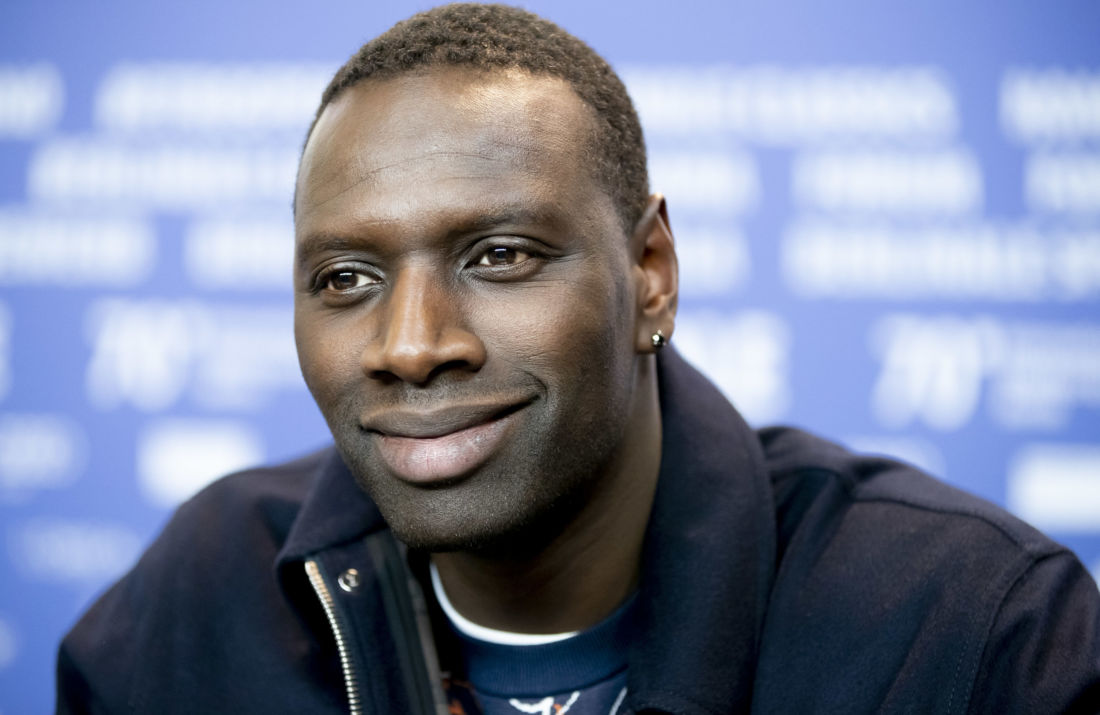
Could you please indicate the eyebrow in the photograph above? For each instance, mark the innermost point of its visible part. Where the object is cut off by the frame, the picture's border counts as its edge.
(318, 243)
(516, 215)
(322, 243)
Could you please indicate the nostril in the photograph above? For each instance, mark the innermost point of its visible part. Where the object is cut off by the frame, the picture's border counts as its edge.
(453, 366)
(383, 376)
(421, 362)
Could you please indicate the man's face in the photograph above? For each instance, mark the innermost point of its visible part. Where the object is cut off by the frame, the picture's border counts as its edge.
(464, 306)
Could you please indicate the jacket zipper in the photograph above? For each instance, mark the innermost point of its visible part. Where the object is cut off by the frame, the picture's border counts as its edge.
(324, 595)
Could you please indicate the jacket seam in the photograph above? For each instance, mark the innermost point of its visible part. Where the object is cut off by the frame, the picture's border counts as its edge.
(850, 486)
(1007, 533)
(1026, 568)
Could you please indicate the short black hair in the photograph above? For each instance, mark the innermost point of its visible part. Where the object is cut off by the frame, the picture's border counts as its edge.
(495, 37)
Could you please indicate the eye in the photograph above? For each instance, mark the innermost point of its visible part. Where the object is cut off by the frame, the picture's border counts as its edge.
(344, 280)
(502, 256)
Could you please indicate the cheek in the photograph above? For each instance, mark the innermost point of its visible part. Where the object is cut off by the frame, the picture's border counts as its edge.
(563, 331)
(327, 355)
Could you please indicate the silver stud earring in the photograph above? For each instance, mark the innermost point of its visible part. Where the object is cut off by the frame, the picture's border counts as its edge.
(658, 340)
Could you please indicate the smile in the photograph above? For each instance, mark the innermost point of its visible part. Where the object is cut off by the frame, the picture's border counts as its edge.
(432, 448)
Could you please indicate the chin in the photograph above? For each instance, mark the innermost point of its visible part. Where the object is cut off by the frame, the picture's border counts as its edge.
(470, 529)
(447, 536)
(475, 516)
(438, 542)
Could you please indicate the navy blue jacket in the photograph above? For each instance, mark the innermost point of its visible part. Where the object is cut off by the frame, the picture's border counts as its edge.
(780, 574)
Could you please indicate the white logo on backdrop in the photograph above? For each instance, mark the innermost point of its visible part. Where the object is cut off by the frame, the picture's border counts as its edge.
(44, 248)
(1050, 105)
(5, 350)
(197, 96)
(150, 354)
(39, 451)
(1063, 182)
(31, 99)
(1056, 113)
(782, 105)
(171, 177)
(943, 181)
(746, 354)
(932, 369)
(713, 257)
(935, 370)
(861, 259)
(178, 457)
(142, 351)
(1056, 487)
(726, 182)
(241, 254)
(74, 552)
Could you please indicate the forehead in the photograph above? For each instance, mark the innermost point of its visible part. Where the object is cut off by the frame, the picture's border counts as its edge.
(450, 127)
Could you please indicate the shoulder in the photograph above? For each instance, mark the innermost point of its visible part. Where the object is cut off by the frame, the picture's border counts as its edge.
(265, 498)
(887, 569)
(237, 522)
(209, 572)
(826, 484)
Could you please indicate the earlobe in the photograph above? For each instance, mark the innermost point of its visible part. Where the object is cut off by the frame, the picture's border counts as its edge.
(657, 276)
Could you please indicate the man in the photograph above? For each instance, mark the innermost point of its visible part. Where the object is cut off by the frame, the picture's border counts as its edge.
(530, 506)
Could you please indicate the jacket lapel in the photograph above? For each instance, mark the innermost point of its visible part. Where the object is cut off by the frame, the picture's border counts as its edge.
(335, 511)
(709, 556)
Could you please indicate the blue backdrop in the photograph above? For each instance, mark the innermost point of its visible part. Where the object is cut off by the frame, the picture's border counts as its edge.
(888, 216)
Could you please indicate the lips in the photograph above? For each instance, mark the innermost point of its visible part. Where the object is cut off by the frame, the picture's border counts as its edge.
(429, 448)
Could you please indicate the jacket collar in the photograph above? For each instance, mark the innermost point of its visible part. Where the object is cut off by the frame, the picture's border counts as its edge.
(335, 511)
(709, 557)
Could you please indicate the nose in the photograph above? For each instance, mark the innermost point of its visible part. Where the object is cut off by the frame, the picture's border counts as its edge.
(423, 332)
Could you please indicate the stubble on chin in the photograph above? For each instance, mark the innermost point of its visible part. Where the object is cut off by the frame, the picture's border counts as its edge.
(490, 513)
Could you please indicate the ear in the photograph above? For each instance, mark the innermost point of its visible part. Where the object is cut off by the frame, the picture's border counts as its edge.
(656, 275)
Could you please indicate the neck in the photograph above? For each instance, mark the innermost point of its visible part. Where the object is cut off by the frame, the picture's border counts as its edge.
(592, 565)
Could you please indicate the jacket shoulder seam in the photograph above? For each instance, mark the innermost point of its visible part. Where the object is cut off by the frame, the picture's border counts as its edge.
(1027, 567)
(851, 487)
